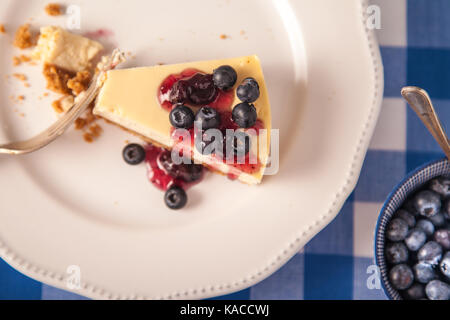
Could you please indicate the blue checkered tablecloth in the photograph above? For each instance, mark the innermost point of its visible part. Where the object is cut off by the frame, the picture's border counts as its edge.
(415, 45)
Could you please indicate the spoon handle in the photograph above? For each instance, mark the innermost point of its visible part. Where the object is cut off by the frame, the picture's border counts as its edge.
(420, 102)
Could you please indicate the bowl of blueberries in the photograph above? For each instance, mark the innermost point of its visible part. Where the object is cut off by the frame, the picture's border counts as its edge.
(412, 240)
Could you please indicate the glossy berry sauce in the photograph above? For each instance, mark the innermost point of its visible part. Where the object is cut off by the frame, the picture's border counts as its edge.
(160, 177)
(222, 103)
(223, 100)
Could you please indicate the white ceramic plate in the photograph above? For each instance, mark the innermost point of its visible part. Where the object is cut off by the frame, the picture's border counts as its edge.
(79, 204)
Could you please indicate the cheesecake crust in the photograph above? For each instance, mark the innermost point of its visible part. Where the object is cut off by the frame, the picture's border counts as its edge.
(57, 79)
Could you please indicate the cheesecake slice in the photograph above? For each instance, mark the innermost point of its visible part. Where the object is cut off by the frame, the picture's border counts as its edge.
(137, 99)
(65, 50)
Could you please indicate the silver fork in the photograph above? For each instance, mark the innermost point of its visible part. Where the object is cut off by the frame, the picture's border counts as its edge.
(59, 127)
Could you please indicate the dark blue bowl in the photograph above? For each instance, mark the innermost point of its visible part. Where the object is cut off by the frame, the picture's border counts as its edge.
(401, 192)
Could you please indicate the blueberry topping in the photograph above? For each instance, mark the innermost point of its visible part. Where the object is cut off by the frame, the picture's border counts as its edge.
(408, 217)
(445, 265)
(397, 230)
(401, 277)
(428, 203)
(207, 118)
(396, 253)
(248, 91)
(133, 154)
(225, 77)
(426, 226)
(443, 238)
(438, 220)
(424, 272)
(182, 117)
(441, 186)
(187, 172)
(430, 253)
(206, 144)
(175, 198)
(179, 92)
(438, 290)
(202, 90)
(244, 115)
(415, 239)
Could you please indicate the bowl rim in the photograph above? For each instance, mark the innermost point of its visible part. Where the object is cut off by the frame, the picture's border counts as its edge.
(379, 245)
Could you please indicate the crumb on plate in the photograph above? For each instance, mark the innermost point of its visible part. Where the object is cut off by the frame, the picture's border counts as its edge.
(2, 28)
(18, 60)
(24, 38)
(20, 76)
(53, 9)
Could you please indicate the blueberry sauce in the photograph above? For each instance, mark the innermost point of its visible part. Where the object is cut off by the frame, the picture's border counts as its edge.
(164, 174)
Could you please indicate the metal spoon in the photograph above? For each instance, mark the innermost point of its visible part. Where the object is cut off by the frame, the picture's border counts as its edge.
(59, 127)
(420, 102)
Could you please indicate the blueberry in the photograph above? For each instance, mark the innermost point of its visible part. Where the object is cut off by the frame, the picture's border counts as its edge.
(182, 117)
(202, 90)
(426, 226)
(430, 253)
(443, 238)
(207, 118)
(133, 154)
(179, 92)
(446, 209)
(225, 77)
(415, 239)
(401, 277)
(187, 172)
(441, 186)
(396, 253)
(408, 217)
(438, 290)
(416, 292)
(244, 115)
(175, 198)
(424, 272)
(411, 208)
(397, 230)
(428, 203)
(438, 220)
(445, 265)
(248, 91)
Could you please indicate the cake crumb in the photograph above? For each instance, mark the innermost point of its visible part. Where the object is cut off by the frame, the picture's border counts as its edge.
(20, 98)
(80, 124)
(20, 76)
(23, 38)
(57, 79)
(18, 60)
(242, 32)
(2, 28)
(224, 37)
(57, 106)
(63, 104)
(53, 9)
(80, 82)
(88, 137)
(95, 130)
